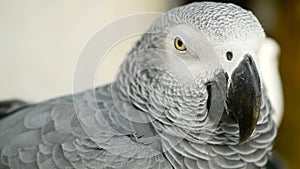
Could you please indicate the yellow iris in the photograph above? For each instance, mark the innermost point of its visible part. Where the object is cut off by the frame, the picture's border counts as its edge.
(179, 45)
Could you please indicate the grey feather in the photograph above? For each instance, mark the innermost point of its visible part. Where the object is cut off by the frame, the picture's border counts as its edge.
(8, 107)
(159, 113)
(49, 139)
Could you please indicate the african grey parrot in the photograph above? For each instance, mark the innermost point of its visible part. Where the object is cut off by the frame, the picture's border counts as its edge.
(189, 95)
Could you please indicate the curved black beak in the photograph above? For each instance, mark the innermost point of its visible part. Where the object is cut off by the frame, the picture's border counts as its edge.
(243, 97)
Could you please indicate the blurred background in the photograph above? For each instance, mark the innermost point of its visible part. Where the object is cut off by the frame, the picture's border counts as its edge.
(40, 42)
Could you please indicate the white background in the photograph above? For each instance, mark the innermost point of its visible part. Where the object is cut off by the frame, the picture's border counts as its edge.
(41, 40)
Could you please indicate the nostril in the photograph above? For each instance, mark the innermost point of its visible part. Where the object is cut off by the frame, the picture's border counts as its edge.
(229, 55)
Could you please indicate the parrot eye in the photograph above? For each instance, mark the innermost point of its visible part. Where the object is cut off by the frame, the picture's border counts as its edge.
(179, 45)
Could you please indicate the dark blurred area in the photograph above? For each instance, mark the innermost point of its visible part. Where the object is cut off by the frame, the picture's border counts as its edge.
(281, 21)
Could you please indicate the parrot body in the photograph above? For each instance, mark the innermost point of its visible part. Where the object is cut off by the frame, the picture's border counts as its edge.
(189, 95)
(50, 135)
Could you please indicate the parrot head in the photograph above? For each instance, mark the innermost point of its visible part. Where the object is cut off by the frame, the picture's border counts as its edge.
(195, 70)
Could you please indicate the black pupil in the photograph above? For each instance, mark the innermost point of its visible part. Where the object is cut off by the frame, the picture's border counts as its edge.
(179, 42)
(229, 55)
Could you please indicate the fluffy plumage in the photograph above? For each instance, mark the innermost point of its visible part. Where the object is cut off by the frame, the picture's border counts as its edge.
(159, 113)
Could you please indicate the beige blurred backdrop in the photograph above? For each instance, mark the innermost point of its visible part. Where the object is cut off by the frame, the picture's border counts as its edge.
(40, 42)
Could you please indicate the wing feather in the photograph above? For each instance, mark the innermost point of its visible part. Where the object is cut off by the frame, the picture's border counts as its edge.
(84, 132)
